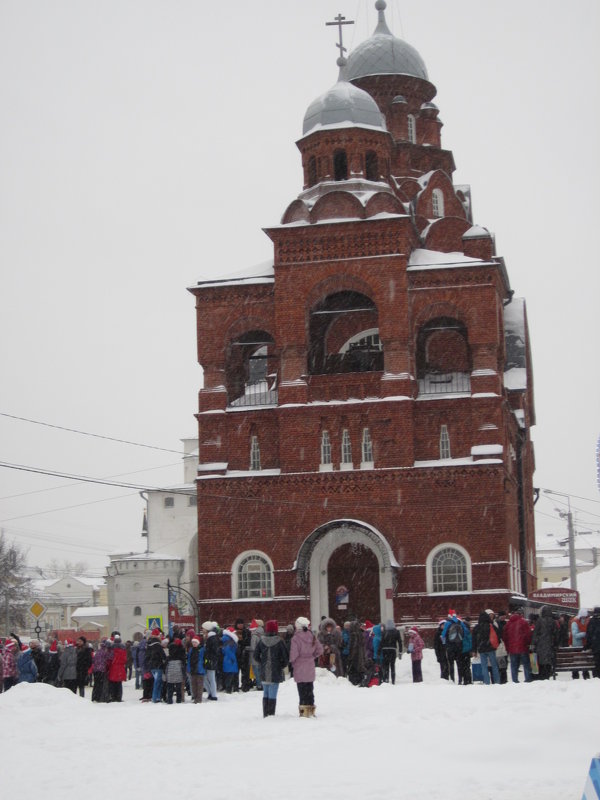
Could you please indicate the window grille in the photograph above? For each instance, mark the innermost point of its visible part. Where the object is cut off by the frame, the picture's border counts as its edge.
(449, 571)
(325, 448)
(346, 447)
(444, 442)
(254, 453)
(367, 446)
(254, 577)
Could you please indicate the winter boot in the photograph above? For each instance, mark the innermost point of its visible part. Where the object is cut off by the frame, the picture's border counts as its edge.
(304, 711)
(266, 711)
(271, 707)
(311, 711)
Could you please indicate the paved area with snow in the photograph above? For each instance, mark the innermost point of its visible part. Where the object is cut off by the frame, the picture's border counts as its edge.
(429, 740)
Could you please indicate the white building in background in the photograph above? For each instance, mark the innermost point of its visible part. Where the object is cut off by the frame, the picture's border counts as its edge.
(137, 582)
(62, 596)
(553, 560)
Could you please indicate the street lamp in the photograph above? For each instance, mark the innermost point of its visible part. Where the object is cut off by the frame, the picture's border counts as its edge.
(569, 517)
(169, 587)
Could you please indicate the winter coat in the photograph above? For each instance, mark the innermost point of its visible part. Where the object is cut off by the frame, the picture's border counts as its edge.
(41, 662)
(84, 662)
(304, 649)
(356, 654)
(391, 639)
(26, 666)
(176, 663)
(414, 640)
(116, 666)
(545, 637)
(52, 667)
(516, 635)
(271, 654)
(438, 646)
(195, 661)
(101, 658)
(230, 662)
(138, 652)
(68, 664)
(256, 635)
(211, 651)
(155, 654)
(481, 635)
(9, 663)
(578, 631)
(593, 634)
(331, 639)
(377, 634)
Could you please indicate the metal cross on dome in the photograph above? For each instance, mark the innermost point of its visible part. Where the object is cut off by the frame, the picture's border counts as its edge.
(339, 21)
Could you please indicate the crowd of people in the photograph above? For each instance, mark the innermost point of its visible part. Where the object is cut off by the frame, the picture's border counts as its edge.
(241, 657)
(500, 640)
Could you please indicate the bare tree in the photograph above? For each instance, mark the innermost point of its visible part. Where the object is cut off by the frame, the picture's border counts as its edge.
(62, 568)
(15, 589)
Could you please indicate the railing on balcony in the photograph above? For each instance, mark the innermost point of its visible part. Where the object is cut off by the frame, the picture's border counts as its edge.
(258, 393)
(445, 383)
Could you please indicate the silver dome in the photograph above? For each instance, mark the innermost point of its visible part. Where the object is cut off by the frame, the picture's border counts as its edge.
(343, 104)
(384, 54)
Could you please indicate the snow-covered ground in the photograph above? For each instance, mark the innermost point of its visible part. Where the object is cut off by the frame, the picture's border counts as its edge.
(429, 740)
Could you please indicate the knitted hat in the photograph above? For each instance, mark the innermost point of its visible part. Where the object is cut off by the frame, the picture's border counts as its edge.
(191, 633)
(271, 626)
(302, 622)
(208, 626)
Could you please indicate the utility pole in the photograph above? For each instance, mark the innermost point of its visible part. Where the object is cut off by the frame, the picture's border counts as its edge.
(569, 517)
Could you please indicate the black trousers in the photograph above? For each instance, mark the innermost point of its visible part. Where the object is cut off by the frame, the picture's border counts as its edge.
(389, 664)
(306, 693)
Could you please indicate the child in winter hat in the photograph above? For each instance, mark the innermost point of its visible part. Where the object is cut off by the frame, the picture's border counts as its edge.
(302, 623)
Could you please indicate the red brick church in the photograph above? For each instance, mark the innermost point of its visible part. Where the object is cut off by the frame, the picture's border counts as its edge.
(364, 444)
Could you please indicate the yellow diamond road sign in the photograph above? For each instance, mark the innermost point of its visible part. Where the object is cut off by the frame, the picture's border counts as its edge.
(37, 609)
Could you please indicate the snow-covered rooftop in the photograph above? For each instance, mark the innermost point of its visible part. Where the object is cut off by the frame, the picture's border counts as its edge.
(90, 611)
(420, 258)
(260, 273)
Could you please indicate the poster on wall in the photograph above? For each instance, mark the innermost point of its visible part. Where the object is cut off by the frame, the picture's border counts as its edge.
(342, 597)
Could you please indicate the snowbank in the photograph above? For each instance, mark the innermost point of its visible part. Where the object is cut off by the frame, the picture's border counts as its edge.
(411, 741)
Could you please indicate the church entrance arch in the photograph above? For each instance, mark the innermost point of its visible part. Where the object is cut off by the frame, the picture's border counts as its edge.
(352, 554)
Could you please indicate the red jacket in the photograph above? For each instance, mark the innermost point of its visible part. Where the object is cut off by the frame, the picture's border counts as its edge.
(116, 667)
(516, 635)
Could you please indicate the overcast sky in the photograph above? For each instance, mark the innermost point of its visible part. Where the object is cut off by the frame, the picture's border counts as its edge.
(143, 146)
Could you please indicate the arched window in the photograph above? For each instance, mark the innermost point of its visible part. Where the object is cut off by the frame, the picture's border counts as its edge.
(448, 569)
(371, 166)
(137, 611)
(325, 449)
(252, 576)
(411, 128)
(340, 166)
(437, 203)
(312, 171)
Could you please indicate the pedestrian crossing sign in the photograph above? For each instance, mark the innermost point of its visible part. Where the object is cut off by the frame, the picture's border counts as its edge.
(154, 623)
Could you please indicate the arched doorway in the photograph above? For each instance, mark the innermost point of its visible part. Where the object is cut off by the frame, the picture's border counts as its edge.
(355, 567)
(344, 552)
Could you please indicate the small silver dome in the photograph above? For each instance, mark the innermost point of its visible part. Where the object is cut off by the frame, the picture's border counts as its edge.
(384, 54)
(343, 103)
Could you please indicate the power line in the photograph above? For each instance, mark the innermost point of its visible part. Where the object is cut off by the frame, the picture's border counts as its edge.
(87, 433)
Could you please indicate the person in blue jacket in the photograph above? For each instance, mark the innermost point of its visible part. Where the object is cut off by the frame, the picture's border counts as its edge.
(230, 662)
(196, 669)
(28, 671)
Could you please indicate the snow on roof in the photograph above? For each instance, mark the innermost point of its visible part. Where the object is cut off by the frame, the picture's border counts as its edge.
(144, 557)
(477, 232)
(514, 336)
(515, 379)
(420, 258)
(260, 273)
(588, 585)
(91, 611)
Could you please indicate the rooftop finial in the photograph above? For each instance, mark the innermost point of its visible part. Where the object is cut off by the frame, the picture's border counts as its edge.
(382, 27)
(339, 21)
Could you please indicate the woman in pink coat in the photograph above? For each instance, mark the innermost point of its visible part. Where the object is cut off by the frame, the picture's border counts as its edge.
(304, 649)
(415, 648)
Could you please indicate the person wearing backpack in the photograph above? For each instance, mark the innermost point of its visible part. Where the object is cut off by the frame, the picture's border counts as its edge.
(485, 642)
(452, 638)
